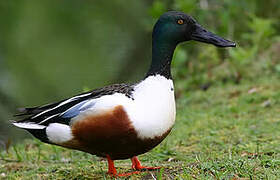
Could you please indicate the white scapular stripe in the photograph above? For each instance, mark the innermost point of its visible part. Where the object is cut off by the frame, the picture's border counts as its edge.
(61, 104)
(48, 118)
(29, 125)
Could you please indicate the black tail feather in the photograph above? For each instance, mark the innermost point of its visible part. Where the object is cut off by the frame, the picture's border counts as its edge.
(39, 134)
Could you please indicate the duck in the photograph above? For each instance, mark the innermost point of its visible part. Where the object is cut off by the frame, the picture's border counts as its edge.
(122, 121)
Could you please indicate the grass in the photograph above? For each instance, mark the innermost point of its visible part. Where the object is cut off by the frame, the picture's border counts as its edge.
(228, 132)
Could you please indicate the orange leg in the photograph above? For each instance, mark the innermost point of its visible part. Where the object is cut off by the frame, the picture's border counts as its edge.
(112, 170)
(136, 164)
(111, 167)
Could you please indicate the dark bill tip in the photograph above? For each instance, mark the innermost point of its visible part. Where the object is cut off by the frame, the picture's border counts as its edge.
(202, 35)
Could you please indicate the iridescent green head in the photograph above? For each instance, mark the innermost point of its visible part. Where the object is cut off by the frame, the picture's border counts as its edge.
(173, 28)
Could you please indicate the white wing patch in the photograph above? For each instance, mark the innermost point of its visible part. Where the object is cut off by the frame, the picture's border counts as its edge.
(59, 133)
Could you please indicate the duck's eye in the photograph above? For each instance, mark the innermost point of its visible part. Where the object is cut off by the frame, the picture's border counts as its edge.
(180, 21)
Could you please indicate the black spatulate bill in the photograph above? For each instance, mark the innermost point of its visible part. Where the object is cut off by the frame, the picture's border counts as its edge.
(203, 35)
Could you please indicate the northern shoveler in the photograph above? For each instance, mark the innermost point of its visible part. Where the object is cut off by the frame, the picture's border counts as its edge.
(122, 121)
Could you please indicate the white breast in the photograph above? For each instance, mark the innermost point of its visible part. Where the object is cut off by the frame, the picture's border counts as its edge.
(153, 110)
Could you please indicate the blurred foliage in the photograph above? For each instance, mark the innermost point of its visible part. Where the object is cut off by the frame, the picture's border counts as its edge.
(50, 50)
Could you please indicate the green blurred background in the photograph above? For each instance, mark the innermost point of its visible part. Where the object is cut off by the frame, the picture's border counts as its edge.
(50, 50)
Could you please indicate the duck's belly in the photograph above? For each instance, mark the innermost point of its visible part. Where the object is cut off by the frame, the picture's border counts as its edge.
(111, 133)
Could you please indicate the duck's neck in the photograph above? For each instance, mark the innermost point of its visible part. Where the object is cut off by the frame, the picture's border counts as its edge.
(162, 53)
